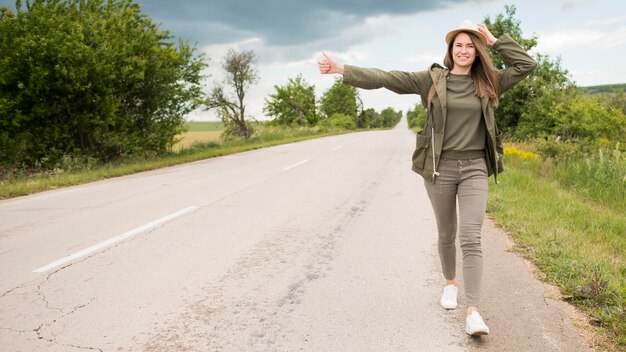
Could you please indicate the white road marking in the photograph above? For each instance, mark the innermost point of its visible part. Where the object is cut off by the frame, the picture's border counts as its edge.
(297, 164)
(115, 239)
(337, 147)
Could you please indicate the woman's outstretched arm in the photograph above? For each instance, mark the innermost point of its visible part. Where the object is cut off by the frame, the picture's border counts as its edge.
(371, 78)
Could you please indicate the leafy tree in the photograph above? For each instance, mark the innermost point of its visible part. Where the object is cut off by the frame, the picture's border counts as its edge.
(340, 99)
(366, 118)
(293, 104)
(416, 118)
(572, 115)
(390, 117)
(90, 78)
(549, 75)
(507, 23)
(241, 73)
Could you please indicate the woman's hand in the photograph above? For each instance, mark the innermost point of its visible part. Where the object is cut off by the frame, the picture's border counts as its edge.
(328, 65)
(485, 31)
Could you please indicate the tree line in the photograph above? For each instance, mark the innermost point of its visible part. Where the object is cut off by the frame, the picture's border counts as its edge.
(294, 104)
(92, 81)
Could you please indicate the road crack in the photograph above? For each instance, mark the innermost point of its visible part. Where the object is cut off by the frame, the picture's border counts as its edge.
(41, 336)
(17, 330)
(16, 288)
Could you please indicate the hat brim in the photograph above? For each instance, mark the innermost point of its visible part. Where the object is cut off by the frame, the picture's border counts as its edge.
(452, 34)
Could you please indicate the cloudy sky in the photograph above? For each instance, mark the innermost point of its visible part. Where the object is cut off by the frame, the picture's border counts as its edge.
(289, 35)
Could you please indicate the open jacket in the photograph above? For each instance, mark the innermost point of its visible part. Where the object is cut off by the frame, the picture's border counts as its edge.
(429, 142)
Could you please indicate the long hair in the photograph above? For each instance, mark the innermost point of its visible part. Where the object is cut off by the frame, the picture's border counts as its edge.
(483, 72)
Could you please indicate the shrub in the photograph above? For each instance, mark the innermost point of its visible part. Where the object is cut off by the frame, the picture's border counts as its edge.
(90, 79)
(342, 121)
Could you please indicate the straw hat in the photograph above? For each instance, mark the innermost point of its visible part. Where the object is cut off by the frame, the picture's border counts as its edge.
(466, 26)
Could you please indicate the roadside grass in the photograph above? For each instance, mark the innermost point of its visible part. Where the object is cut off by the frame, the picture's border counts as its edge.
(579, 244)
(266, 136)
(600, 177)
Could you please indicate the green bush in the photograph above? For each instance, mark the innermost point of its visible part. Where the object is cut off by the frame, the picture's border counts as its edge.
(342, 121)
(89, 79)
(416, 118)
(552, 147)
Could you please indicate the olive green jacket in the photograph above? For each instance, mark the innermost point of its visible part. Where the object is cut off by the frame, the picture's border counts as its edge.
(429, 142)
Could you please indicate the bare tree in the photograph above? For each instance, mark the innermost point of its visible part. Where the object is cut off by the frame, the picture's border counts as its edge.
(241, 72)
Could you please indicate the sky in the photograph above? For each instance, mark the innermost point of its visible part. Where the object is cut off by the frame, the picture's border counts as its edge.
(288, 37)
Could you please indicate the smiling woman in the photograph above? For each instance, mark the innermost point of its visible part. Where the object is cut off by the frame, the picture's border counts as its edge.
(459, 146)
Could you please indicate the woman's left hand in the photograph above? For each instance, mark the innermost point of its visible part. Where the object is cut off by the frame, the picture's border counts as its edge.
(485, 31)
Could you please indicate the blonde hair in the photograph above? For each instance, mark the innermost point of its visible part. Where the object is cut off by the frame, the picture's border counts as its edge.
(483, 72)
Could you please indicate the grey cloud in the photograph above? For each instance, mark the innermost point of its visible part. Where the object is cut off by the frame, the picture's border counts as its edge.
(288, 29)
(277, 22)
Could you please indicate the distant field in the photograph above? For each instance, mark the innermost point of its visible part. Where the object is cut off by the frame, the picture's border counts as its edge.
(607, 88)
(200, 132)
(202, 126)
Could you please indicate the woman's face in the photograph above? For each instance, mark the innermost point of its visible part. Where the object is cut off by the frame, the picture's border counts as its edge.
(463, 51)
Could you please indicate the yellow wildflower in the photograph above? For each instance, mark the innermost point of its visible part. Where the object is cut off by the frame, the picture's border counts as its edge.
(520, 153)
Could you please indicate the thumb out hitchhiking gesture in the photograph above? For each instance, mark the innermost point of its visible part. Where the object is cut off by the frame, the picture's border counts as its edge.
(455, 158)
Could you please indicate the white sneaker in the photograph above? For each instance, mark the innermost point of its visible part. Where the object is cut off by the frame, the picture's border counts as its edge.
(475, 326)
(448, 299)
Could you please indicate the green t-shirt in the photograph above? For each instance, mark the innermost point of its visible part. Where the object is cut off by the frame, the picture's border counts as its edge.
(465, 129)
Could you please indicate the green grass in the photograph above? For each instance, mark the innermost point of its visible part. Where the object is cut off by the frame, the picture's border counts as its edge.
(600, 177)
(579, 244)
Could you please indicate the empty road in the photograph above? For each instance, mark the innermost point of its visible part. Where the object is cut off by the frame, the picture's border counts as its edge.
(323, 245)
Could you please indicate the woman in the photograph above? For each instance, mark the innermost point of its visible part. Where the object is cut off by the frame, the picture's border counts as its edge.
(456, 151)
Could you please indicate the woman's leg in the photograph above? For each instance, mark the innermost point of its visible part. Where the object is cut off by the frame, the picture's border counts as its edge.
(442, 196)
(472, 196)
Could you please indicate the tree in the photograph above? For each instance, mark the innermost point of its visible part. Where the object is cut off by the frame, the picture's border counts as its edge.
(90, 79)
(416, 118)
(572, 115)
(367, 118)
(340, 99)
(390, 117)
(548, 104)
(549, 75)
(241, 73)
(293, 104)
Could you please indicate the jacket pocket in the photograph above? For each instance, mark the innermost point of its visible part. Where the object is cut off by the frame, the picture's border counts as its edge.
(422, 142)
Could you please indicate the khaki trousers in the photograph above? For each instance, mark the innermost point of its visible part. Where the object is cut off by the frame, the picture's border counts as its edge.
(467, 181)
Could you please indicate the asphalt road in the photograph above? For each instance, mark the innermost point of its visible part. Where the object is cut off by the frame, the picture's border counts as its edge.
(322, 245)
